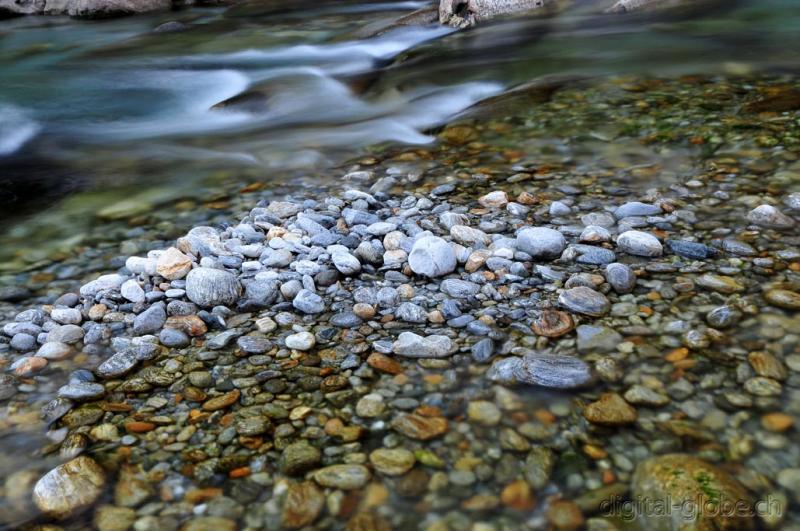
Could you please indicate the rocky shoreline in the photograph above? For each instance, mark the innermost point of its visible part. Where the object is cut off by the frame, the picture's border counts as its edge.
(503, 353)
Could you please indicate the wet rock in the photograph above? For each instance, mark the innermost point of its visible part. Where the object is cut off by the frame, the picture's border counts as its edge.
(209, 287)
(117, 365)
(418, 427)
(639, 243)
(8, 387)
(552, 323)
(692, 250)
(584, 300)
(598, 339)
(541, 242)
(410, 345)
(544, 370)
(392, 461)
(723, 317)
(483, 412)
(770, 217)
(538, 467)
(308, 302)
(81, 391)
(432, 256)
(678, 479)
(621, 277)
(636, 208)
(299, 457)
(610, 410)
(111, 518)
(223, 401)
(70, 488)
(303, 505)
(482, 351)
(345, 477)
(719, 283)
(783, 298)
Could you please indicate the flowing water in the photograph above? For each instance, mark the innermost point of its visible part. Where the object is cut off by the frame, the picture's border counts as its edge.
(115, 138)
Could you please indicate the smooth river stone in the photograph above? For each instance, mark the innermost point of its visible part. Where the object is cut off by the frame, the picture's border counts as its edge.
(544, 370)
(541, 242)
(208, 287)
(432, 256)
(584, 300)
(411, 345)
(770, 217)
(345, 477)
(639, 243)
(69, 488)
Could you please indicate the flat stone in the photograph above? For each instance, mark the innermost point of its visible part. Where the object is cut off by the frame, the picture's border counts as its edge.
(118, 364)
(132, 291)
(693, 250)
(411, 345)
(770, 217)
(544, 370)
(584, 300)
(459, 289)
(223, 401)
(81, 391)
(299, 457)
(345, 477)
(636, 208)
(418, 427)
(552, 323)
(392, 461)
(599, 339)
(719, 283)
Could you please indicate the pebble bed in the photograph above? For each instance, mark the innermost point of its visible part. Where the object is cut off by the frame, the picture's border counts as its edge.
(503, 354)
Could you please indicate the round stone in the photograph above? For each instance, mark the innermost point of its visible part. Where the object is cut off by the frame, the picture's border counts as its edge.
(345, 476)
(208, 287)
(770, 217)
(300, 341)
(639, 243)
(392, 461)
(432, 256)
(541, 242)
(484, 412)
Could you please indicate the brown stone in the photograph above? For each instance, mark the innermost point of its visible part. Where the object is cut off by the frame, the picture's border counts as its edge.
(173, 264)
(191, 325)
(767, 365)
(221, 402)
(303, 505)
(552, 323)
(564, 515)
(367, 521)
(610, 410)
(777, 422)
(30, 365)
(139, 427)
(517, 495)
(419, 427)
(384, 363)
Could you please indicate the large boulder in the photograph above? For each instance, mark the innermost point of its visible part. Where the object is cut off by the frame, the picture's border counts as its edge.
(696, 491)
